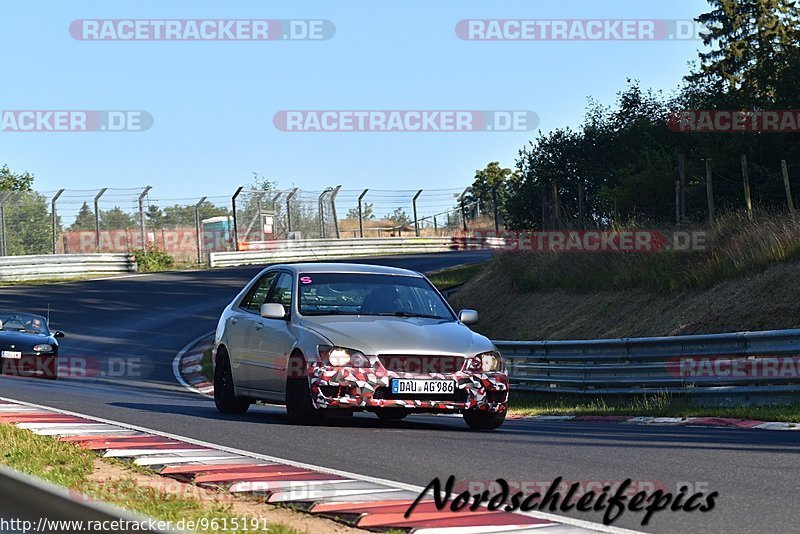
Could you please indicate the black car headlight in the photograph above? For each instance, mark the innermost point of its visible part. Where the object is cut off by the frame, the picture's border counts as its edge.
(486, 362)
(44, 347)
(342, 357)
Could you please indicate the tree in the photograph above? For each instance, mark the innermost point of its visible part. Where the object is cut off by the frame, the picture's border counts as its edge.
(399, 217)
(115, 219)
(10, 181)
(753, 47)
(492, 178)
(27, 217)
(366, 212)
(84, 219)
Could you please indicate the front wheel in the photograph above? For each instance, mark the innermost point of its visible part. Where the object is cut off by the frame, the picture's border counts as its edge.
(224, 395)
(299, 407)
(484, 420)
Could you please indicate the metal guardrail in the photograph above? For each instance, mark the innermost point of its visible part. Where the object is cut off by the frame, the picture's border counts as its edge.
(57, 266)
(744, 363)
(328, 249)
(30, 504)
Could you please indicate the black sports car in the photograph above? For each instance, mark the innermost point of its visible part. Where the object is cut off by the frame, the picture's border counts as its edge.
(27, 346)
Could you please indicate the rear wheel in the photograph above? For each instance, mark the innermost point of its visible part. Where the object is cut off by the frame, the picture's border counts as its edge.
(389, 414)
(299, 407)
(484, 420)
(224, 396)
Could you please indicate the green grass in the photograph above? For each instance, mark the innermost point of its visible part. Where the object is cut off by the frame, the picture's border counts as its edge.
(737, 245)
(68, 465)
(659, 405)
(457, 275)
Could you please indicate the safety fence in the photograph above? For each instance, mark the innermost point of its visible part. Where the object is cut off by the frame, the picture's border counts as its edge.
(118, 220)
(328, 249)
(34, 505)
(737, 364)
(60, 266)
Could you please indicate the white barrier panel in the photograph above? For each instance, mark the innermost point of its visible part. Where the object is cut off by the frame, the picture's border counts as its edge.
(331, 249)
(58, 266)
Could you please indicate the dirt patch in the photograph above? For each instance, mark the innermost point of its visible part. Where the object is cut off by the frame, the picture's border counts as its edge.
(763, 301)
(240, 506)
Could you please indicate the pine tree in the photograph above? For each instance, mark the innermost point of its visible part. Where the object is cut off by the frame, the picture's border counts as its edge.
(84, 220)
(753, 47)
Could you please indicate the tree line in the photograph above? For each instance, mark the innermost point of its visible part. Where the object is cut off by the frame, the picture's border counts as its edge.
(619, 165)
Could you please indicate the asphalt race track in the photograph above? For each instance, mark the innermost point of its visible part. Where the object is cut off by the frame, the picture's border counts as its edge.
(146, 320)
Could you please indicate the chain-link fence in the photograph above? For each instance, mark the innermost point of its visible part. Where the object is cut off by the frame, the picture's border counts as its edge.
(71, 221)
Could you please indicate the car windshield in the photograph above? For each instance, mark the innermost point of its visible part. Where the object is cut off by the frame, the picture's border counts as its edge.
(370, 294)
(23, 322)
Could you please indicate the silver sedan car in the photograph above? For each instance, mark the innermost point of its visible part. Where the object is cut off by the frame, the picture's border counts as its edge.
(340, 338)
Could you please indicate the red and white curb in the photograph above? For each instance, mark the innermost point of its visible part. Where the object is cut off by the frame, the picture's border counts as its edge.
(357, 500)
(707, 422)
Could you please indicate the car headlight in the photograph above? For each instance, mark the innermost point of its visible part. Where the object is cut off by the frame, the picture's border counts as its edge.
(341, 357)
(486, 362)
(43, 348)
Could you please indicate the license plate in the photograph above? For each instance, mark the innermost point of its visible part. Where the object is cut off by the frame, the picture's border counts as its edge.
(12, 354)
(423, 387)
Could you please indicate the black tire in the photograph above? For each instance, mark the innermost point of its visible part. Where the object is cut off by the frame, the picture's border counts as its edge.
(299, 407)
(51, 367)
(391, 414)
(224, 396)
(484, 420)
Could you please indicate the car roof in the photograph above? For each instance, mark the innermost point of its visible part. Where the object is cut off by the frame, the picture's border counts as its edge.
(361, 268)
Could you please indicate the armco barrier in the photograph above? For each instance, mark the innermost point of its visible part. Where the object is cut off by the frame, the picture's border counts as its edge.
(55, 266)
(745, 363)
(33, 505)
(329, 249)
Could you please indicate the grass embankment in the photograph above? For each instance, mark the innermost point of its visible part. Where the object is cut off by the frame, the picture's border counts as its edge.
(650, 406)
(70, 466)
(737, 245)
(456, 276)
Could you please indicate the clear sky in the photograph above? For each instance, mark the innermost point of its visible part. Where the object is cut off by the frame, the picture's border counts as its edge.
(213, 102)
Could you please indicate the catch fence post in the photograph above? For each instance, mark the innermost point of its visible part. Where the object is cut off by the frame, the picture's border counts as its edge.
(360, 214)
(414, 206)
(54, 218)
(141, 216)
(97, 218)
(198, 229)
(233, 212)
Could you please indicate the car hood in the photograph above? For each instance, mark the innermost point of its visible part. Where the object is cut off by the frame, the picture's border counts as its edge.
(21, 340)
(399, 335)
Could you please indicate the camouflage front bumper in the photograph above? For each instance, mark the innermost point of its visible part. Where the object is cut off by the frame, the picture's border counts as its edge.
(357, 388)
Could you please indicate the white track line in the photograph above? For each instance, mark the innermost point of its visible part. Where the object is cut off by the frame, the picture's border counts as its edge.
(238, 452)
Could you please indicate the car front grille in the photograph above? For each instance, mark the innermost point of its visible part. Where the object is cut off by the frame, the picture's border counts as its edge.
(384, 393)
(421, 364)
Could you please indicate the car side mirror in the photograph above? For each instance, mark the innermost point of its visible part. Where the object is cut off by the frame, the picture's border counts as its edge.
(468, 317)
(58, 333)
(273, 310)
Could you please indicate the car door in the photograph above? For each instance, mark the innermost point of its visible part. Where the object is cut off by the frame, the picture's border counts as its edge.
(242, 330)
(275, 340)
